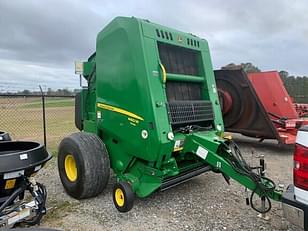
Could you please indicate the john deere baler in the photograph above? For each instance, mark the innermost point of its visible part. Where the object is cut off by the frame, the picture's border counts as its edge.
(150, 112)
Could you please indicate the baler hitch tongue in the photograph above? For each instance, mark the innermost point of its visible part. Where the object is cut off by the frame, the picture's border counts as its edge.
(229, 161)
(252, 178)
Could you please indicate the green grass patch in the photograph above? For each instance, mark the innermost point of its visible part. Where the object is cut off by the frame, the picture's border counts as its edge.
(50, 103)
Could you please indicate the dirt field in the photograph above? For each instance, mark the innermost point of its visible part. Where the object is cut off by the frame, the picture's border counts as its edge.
(23, 119)
(204, 203)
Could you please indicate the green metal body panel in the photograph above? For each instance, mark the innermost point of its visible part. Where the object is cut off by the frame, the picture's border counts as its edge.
(125, 105)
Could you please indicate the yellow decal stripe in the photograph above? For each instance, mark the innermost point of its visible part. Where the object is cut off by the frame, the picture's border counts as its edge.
(178, 149)
(119, 110)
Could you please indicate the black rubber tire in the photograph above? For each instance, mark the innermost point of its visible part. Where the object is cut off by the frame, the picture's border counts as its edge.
(92, 162)
(129, 196)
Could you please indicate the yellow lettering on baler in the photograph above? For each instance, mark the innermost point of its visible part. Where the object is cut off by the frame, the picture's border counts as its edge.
(119, 110)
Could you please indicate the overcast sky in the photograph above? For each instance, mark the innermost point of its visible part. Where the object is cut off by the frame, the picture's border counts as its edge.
(40, 40)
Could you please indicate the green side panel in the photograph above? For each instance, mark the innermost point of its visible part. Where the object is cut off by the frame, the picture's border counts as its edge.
(210, 88)
(90, 126)
(88, 68)
(83, 97)
(122, 82)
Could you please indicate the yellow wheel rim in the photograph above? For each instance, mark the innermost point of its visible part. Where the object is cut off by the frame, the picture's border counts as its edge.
(119, 197)
(70, 167)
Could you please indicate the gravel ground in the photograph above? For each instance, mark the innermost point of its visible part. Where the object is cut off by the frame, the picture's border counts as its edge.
(204, 203)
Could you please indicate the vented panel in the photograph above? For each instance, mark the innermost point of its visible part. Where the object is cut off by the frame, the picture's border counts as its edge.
(186, 112)
(179, 60)
(183, 91)
(164, 34)
(192, 42)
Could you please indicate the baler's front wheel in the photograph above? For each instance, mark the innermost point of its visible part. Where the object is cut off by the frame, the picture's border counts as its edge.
(83, 164)
(123, 197)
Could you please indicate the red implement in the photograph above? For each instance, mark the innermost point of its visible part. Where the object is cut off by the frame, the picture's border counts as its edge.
(277, 103)
(257, 105)
(302, 109)
(272, 93)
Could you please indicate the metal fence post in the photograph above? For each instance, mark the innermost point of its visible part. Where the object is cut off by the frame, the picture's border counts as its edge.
(44, 116)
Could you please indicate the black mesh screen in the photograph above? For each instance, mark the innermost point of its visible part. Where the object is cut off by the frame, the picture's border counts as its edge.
(190, 112)
(183, 91)
(186, 106)
(179, 60)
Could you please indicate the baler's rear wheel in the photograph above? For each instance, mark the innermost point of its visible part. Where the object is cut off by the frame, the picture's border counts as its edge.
(123, 196)
(83, 164)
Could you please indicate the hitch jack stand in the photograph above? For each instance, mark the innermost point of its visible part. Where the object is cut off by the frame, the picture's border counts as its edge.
(263, 216)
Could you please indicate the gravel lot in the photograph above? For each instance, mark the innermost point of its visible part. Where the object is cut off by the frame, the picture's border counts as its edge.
(204, 203)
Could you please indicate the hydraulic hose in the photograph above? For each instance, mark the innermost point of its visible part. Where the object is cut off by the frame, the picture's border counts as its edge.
(259, 210)
(41, 199)
(264, 185)
(40, 195)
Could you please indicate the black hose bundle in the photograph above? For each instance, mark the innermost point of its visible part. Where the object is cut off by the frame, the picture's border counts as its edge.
(38, 192)
(40, 196)
(264, 185)
(190, 128)
(12, 197)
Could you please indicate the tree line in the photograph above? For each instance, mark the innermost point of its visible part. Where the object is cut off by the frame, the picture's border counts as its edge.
(297, 86)
(58, 92)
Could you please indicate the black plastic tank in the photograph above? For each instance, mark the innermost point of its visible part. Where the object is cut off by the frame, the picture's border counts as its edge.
(19, 159)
